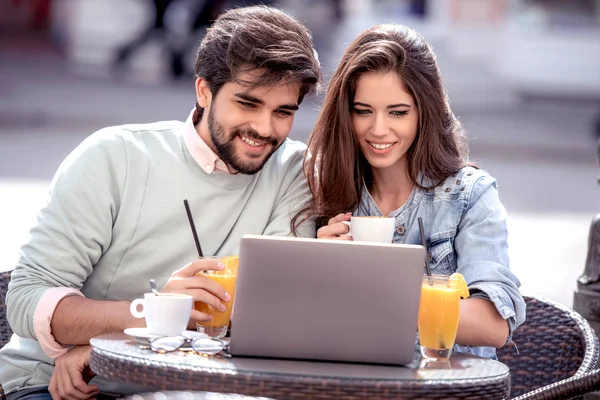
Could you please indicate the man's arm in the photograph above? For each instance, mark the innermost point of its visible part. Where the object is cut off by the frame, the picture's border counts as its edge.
(77, 319)
(72, 232)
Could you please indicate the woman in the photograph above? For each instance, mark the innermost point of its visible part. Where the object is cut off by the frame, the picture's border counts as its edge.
(387, 143)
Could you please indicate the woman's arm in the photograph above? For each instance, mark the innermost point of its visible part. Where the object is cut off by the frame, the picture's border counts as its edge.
(497, 307)
(480, 324)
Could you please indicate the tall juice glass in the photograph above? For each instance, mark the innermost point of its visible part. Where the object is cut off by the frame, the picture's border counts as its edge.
(438, 314)
(217, 326)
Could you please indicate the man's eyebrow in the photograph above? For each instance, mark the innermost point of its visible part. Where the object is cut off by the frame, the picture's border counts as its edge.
(291, 107)
(358, 103)
(252, 99)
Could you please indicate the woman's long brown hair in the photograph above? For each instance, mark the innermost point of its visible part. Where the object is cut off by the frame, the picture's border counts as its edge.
(335, 167)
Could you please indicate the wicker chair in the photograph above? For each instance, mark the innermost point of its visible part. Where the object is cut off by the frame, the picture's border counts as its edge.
(554, 355)
(5, 331)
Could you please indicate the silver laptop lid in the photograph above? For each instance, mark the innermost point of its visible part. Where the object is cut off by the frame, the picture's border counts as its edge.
(327, 300)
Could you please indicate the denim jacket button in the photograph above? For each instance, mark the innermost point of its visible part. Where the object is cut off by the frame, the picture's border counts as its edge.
(429, 257)
(400, 230)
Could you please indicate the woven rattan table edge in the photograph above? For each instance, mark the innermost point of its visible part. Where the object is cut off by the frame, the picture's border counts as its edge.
(496, 387)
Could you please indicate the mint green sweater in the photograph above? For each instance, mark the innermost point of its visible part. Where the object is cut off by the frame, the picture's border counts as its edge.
(115, 218)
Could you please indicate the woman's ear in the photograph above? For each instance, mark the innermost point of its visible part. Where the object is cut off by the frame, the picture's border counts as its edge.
(203, 93)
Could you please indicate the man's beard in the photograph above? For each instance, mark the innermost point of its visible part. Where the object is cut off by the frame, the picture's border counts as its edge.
(225, 146)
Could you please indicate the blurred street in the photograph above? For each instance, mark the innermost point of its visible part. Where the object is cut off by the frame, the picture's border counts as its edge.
(541, 149)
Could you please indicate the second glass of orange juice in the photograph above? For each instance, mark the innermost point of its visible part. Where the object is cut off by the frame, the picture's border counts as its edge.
(217, 326)
(438, 314)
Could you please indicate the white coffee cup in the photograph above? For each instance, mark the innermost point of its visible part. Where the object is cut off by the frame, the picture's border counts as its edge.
(371, 228)
(166, 313)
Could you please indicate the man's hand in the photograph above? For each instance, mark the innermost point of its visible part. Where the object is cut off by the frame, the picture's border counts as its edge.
(72, 374)
(201, 288)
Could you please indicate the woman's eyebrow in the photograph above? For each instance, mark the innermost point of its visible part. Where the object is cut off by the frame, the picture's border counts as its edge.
(358, 103)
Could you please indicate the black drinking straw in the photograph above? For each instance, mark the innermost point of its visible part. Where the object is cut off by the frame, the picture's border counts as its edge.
(193, 227)
(427, 269)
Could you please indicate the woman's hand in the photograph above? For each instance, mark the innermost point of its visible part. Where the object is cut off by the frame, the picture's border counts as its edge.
(335, 229)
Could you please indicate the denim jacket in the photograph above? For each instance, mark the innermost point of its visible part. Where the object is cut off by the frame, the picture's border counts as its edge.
(465, 229)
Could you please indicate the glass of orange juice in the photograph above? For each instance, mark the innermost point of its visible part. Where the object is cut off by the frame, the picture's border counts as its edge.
(438, 314)
(217, 326)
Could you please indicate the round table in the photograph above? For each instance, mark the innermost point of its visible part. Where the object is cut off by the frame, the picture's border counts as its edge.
(117, 357)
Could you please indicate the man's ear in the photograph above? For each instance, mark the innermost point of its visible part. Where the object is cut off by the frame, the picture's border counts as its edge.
(203, 93)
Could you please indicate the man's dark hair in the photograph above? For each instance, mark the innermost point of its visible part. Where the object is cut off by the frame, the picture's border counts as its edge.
(262, 39)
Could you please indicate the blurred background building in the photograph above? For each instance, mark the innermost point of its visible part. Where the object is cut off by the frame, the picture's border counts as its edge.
(523, 76)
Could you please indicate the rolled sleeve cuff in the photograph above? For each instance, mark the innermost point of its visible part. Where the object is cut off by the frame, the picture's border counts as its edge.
(503, 302)
(43, 316)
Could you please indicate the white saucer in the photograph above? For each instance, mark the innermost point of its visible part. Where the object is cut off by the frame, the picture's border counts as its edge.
(142, 335)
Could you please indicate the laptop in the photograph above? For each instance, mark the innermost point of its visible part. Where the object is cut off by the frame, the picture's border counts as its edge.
(332, 300)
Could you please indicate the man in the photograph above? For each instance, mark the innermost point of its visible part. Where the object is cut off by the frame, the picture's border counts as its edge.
(115, 216)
